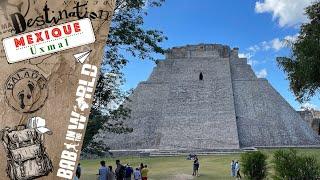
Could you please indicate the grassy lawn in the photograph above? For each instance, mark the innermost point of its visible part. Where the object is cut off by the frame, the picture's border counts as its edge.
(178, 168)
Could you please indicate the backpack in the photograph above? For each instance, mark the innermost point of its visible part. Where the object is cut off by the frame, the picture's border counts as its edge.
(122, 172)
(26, 155)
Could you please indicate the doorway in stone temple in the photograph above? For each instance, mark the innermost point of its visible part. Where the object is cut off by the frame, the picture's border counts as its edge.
(201, 76)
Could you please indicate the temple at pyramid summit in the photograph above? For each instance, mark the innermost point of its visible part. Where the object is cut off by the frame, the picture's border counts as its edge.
(204, 97)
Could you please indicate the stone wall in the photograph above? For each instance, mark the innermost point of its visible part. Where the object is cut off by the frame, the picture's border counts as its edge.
(312, 117)
(229, 109)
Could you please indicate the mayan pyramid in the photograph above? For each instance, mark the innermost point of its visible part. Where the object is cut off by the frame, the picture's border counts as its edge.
(204, 97)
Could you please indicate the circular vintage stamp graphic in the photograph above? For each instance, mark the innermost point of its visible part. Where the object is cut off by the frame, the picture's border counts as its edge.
(26, 90)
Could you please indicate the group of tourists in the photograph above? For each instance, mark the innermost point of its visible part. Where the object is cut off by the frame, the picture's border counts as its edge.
(235, 169)
(122, 172)
(126, 172)
(141, 172)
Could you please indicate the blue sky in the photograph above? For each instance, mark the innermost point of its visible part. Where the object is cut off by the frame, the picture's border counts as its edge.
(258, 28)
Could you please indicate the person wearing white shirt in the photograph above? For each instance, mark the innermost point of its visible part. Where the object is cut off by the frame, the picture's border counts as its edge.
(237, 168)
(137, 174)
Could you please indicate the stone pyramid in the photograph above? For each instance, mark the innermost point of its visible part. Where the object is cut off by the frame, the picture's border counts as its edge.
(204, 97)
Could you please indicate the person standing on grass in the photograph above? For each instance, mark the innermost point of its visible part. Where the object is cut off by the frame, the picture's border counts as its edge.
(137, 174)
(103, 171)
(141, 167)
(111, 175)
(78, 171)
(196, 166)
(237, 167)
(129, 172)
(120, 170)
(233, 168)
(144, 172)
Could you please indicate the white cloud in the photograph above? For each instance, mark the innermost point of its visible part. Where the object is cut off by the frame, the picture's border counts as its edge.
(286, 12)
(275, 44)
(291, 38)
(254, 48)
(245, 55)
(309, 106)
(262, 73)
(265, 45)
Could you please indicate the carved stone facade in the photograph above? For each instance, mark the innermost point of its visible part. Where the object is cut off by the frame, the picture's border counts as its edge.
(312, 117)
(204, 97)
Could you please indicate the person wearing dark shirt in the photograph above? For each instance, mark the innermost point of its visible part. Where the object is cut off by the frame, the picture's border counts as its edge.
(120, 170)
(78, 171)
(129, 172)
(141, 166)
(196, 165)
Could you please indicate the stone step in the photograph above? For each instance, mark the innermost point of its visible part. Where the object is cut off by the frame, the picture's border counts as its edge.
(170, 154)
(163, 155)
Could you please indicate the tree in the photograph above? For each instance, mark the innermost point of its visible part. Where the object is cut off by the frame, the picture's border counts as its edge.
(254, 165)
(126, 36)
(107, 112)
(303, 67)
(291, 166)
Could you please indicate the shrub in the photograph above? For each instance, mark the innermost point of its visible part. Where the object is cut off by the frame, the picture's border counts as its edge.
(309, 168)
(289, 165)
(254, 165)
